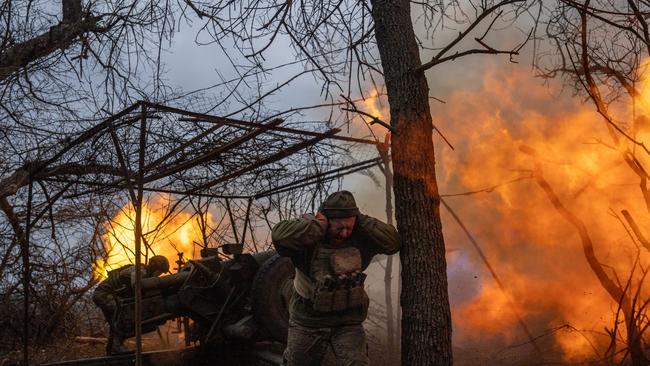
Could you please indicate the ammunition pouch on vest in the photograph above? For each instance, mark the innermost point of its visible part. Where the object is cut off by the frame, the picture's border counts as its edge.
(336, 282)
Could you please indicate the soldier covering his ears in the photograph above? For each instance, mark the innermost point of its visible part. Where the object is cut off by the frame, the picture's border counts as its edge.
(330, 251)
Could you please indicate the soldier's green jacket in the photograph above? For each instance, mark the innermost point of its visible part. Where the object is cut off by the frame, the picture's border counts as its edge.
(297, 238)
(121, 281)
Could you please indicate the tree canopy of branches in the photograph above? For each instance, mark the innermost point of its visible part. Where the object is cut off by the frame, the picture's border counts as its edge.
(66, 70)
(346, 44)
(89, 60)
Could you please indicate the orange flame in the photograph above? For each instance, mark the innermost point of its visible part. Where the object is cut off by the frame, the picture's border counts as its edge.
(376, 105)
(167, 236)
(500, 132)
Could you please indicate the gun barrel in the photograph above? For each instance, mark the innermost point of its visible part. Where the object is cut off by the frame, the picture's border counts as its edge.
(165, 283)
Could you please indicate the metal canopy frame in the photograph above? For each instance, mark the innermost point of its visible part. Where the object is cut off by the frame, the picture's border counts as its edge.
(176, 159)
(150, 147)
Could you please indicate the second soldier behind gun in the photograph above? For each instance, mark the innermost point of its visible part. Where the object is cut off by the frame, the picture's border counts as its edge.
(119, 284)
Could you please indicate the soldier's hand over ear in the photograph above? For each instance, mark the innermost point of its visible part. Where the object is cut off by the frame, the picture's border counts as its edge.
(322, 219)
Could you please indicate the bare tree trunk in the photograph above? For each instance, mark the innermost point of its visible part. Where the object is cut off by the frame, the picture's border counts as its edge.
(388, 272)
(426, 317)
(398, 328)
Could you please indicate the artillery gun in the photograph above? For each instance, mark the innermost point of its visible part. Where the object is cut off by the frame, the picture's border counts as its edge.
(244, 298)
(234, 306)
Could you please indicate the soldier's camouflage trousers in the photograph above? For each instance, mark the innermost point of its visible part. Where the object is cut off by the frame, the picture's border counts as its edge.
(308, 346)
(106, 301)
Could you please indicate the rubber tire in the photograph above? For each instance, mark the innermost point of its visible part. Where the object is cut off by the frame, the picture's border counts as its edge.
(270, 307)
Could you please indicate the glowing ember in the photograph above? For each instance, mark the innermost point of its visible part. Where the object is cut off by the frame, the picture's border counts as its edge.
(178, 232)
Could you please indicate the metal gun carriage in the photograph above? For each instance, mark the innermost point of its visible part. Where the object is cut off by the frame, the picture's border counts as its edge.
(244, 298)
(232, 306)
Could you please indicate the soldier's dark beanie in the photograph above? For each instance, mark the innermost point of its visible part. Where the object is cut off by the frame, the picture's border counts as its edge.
(339, 205)
(158, 262)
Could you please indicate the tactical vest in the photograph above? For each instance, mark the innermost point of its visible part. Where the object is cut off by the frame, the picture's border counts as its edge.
(335, 281)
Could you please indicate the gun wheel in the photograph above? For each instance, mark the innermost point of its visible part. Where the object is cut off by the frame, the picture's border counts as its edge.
(272, 288)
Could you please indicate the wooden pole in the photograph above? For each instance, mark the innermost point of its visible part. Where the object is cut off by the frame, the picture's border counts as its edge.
(26, 274)
(138, 239)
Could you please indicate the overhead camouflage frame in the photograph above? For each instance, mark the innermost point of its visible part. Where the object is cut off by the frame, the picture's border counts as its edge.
(150, 147)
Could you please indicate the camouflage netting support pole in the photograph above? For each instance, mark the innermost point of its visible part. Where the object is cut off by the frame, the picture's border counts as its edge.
(137, 202)
(138, 239)
(26, 273)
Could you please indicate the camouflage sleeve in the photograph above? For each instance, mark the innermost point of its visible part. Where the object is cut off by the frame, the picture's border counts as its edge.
(130, 272)
(382, 236)
(291, 236)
